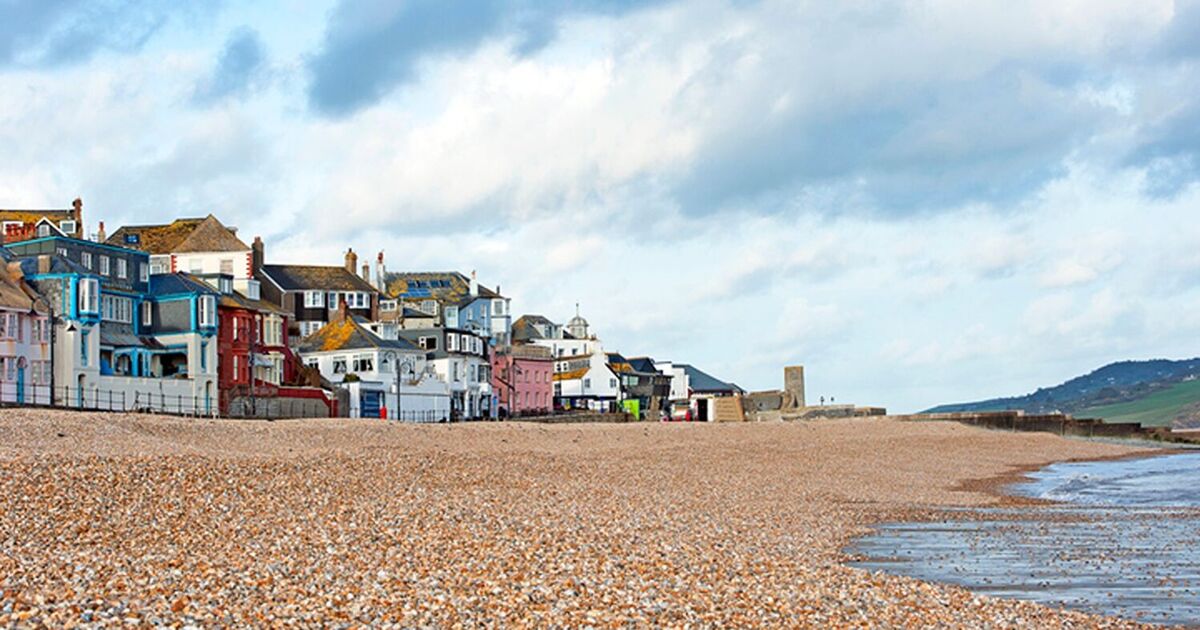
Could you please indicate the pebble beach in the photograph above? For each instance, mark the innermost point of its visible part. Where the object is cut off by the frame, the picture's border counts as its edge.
(140, 520)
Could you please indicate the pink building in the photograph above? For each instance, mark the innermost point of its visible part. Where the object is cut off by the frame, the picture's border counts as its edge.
(521, 378)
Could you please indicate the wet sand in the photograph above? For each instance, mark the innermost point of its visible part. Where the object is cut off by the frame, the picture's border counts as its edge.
(154, 520)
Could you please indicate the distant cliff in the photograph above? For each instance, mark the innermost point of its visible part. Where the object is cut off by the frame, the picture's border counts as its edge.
(1112, 384)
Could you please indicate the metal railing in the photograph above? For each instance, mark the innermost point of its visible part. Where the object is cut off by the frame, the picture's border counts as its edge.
(14, 394)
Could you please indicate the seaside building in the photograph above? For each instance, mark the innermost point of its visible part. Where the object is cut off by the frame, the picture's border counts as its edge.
(199, 246)
(24, 225)
(522, 376)
(26, 362)
(123, 341)
(311, 294)
(460, 302)
(384, 378)
(460, 358)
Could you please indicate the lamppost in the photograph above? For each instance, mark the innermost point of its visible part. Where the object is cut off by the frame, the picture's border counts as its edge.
(399, 367)
(52, 320)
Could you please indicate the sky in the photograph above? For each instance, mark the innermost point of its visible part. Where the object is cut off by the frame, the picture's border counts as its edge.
(920, 201)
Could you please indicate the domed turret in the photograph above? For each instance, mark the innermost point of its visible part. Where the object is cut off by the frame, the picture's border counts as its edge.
(578, 326)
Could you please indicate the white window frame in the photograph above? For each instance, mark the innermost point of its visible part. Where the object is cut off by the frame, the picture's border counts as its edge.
(122, 268)
(86, 259)
(147, 314)
(105, 265)
(89, 296)
(343, 363)
(143, 272)
(314, 299)
(62, 225)
(364, 363)
(206, 311)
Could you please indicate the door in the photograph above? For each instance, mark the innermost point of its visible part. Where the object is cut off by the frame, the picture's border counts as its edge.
(21, 383)
(370, 404)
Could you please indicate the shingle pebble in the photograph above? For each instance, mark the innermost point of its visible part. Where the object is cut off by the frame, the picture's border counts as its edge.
(144, 520)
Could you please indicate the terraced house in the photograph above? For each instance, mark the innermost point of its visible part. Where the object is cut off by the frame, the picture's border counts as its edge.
(458, 301)
(310, 294)
(121, 339)
(26, 363)
(383, 378)
(24, 225)
(460, 358)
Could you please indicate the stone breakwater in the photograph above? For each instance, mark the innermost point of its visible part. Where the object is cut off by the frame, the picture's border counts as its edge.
(149, 520)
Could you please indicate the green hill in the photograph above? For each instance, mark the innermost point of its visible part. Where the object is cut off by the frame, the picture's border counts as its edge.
(1160, 408)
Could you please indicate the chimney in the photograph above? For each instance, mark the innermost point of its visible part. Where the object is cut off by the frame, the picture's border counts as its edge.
(380, 273)
(366, 273)
(351, 260)
(474, 284)
(257, 255)
(100, 235)
(77, 205)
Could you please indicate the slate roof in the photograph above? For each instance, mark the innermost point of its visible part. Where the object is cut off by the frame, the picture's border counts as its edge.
(315, 278)
(523, 330)
(177, 283)
(448, 287)
(643, 364)
(205, 234)
(347, 333)
(704, 383)
(618, 363)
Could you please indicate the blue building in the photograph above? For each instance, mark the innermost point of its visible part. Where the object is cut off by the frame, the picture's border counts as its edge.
(122, 340)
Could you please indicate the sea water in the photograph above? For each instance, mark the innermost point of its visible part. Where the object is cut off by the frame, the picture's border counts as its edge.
(1125, 541)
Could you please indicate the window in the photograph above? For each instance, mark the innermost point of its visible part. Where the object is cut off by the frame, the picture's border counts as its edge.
(313, 363)
(158, 266)
(428, 343)
(237, 368)
(147, 314)
(68, 227)
(387, 306)
(429, 306)
(204, 356)
(452, 342)
(122, 268)
(207, 308)
(43, 230)
(587, 382)
(364, 363)
(61, 251)
(10, 368)
(86, 258)
(89, 295)
(104, 265)
(143, 272)
(196, 265)
(83, 348)
(339, 365)
(117, 309)
(314, 299)
(498, 307)
(227, 266)
(612, 382)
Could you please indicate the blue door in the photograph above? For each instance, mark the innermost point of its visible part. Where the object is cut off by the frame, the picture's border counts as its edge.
(21, 385)
(371, 402)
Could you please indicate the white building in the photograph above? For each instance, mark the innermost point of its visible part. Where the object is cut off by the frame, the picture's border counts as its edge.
(385, 377)
(586, 382)
(461, 359)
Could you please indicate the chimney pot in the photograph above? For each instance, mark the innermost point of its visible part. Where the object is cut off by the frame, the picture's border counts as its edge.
(257, 256)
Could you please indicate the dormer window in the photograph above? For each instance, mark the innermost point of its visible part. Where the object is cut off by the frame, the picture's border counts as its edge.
(43, 230)
(226, 285)
(68, 227)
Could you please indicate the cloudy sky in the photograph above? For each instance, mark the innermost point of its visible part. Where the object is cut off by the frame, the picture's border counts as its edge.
(921, 201)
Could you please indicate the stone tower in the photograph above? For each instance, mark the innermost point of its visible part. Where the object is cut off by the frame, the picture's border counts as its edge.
(793, 386)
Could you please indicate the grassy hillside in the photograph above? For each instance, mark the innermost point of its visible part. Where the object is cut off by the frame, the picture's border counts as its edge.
(1157, 409)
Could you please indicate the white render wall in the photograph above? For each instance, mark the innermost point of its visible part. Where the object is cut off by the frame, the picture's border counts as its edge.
(210, 262)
